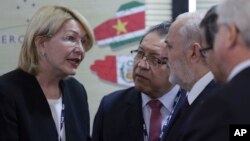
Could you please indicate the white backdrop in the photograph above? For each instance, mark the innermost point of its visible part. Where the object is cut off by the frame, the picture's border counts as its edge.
(16, 13)
(14, 17)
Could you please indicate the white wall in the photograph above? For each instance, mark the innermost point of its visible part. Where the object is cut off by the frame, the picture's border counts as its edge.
(13, 24)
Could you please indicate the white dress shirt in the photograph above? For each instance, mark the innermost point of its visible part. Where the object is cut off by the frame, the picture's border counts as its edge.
(237, 69)
(56, 109)
(199, 86)
(167, 101)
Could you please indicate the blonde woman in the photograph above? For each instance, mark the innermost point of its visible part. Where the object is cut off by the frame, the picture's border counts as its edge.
(39, 99)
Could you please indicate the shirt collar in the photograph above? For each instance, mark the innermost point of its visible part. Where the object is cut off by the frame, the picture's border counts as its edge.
(167, 99)
(199, 86)
(243, 65)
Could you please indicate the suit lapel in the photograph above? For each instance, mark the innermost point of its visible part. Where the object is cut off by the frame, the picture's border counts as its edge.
(135, 118)
(176, 114)
(68, 109)
(177, 122)
(212, 86)
(38, 107)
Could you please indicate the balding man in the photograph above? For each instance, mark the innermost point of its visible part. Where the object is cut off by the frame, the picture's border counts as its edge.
(187, 68)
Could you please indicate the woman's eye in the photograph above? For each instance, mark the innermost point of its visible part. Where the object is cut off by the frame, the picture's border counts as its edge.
(83, 41)
(69, 38)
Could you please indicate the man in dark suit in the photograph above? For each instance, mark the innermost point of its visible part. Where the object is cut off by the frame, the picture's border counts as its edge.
(231, 54)
(125, 115)
(188, 68)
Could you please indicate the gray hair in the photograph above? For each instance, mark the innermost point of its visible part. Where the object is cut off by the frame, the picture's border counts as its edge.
(190, 30)
(161, 29)
(236, 12)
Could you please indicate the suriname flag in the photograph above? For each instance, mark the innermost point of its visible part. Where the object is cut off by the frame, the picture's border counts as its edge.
(128, 26)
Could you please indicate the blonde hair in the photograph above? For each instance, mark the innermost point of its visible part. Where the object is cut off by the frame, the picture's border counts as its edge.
(46, 22)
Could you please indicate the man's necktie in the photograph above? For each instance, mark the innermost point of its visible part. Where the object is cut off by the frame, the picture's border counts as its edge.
(155, 120)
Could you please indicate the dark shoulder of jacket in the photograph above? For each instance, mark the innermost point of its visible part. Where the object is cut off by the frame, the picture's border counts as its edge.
(16, 76)
(72, 82)
(121, 93)
(120, 97)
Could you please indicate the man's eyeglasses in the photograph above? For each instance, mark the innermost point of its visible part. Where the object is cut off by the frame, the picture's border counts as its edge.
(151, 60)
(204, 50)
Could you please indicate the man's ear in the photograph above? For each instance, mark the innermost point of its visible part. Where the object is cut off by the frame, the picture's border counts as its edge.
(231, 36)
(195, 54)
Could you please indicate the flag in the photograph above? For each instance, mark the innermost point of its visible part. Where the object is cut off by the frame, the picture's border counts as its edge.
(128, 26)
(115, 69)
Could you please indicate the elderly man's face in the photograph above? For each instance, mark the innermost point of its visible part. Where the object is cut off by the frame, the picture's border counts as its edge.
(207, 51)
(177, 61)
(219, 53)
